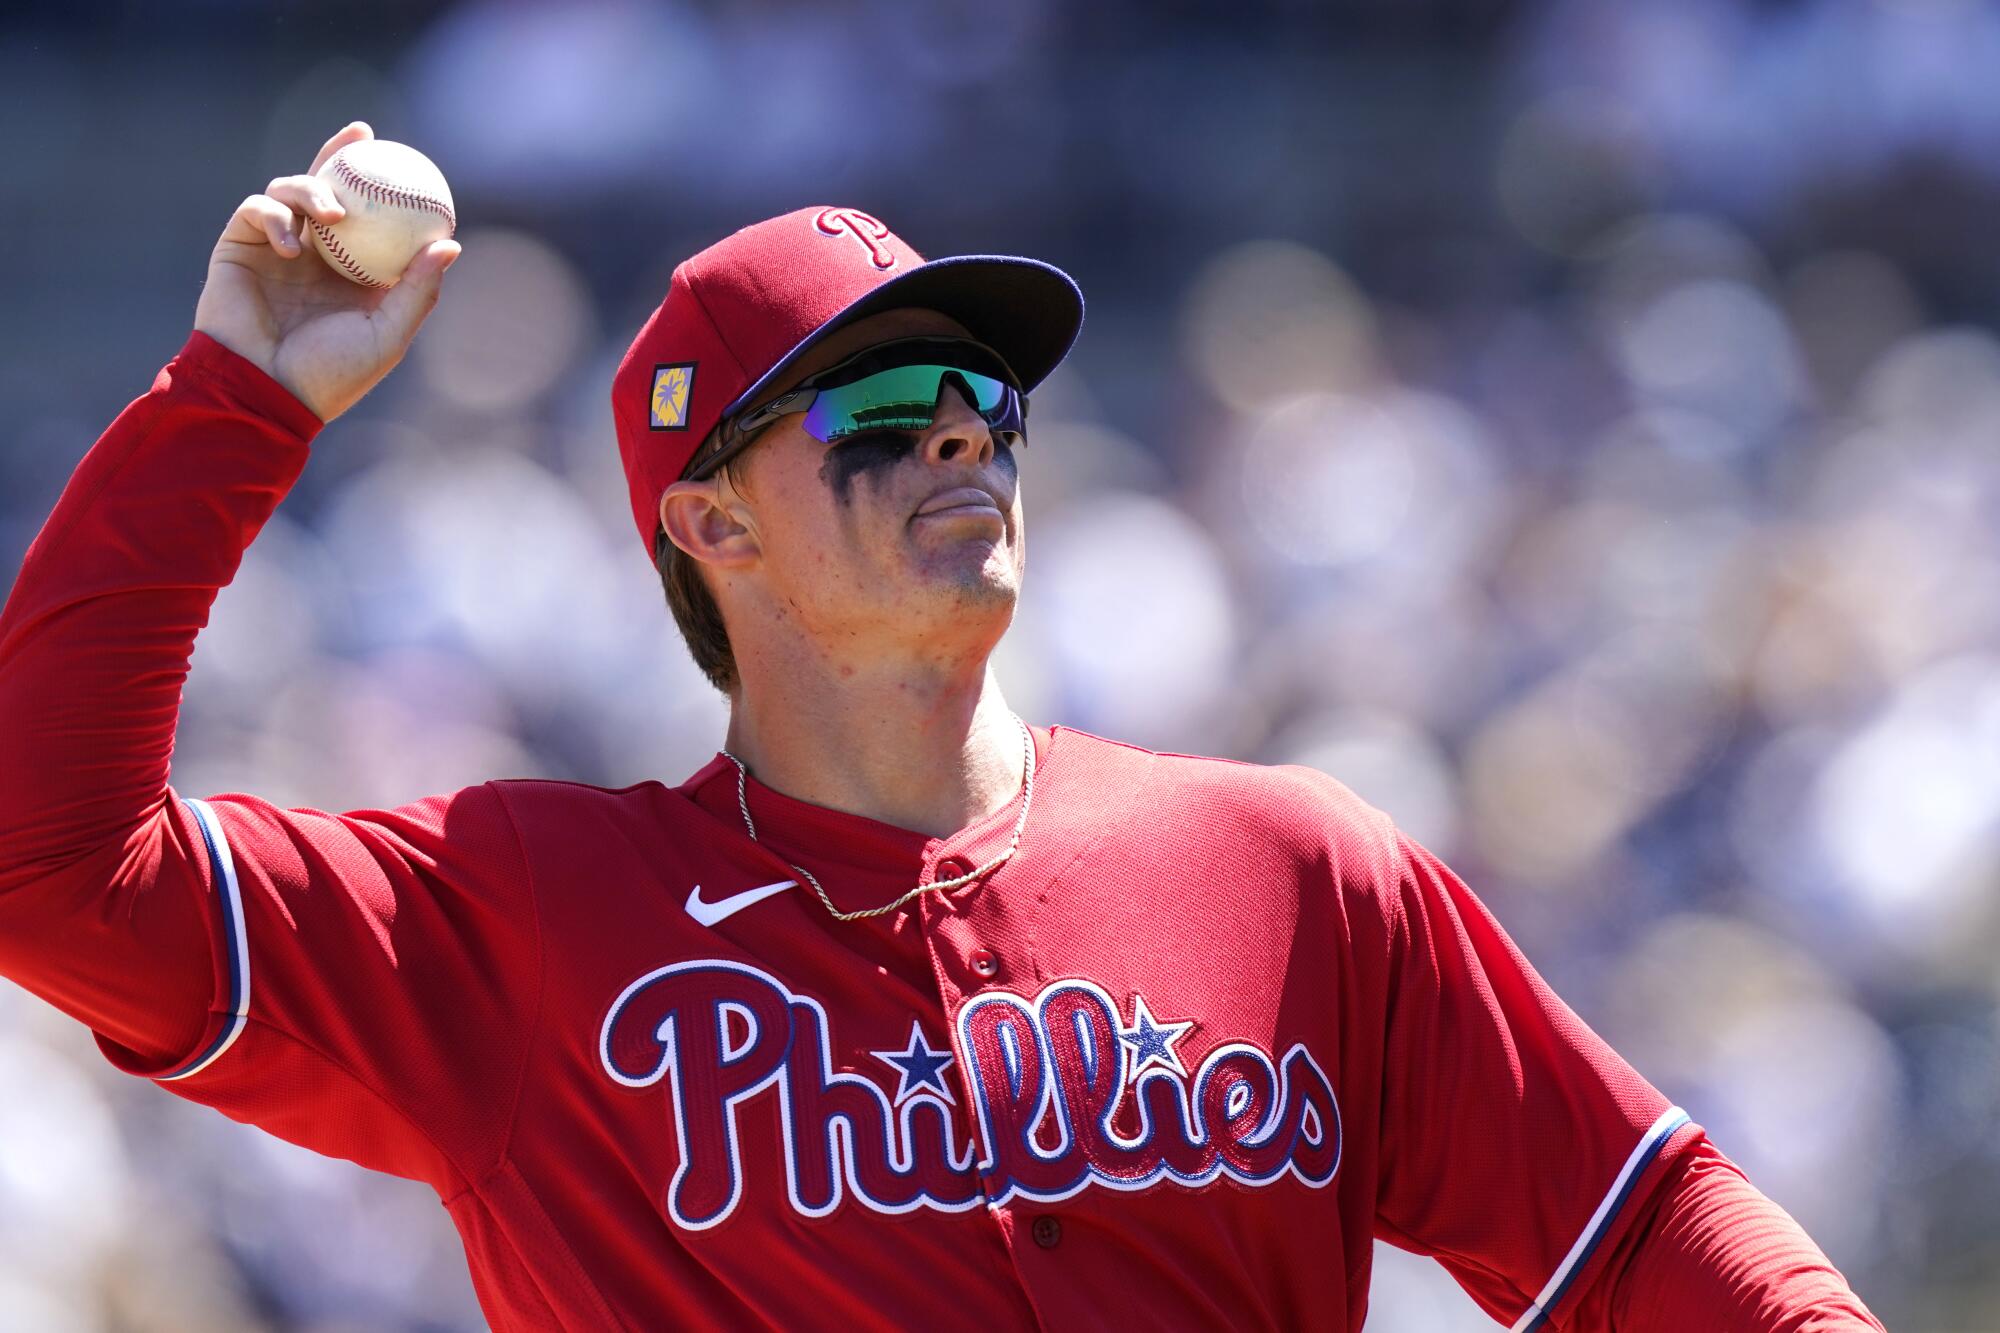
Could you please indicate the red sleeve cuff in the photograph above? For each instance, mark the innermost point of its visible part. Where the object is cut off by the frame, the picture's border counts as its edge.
(242, 384)
(205, 844)
(1715, 1253)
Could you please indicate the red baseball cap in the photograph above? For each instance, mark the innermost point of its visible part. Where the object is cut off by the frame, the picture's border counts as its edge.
(741, 312)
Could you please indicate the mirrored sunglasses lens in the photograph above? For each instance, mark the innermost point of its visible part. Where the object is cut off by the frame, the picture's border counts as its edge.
(901, 399)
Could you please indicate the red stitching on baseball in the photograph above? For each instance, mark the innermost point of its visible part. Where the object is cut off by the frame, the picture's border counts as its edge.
(338, 253)
(382, 192)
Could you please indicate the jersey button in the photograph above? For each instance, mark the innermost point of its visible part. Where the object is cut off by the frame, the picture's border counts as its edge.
(1047, 1231)
(950, 868)
(986, 963)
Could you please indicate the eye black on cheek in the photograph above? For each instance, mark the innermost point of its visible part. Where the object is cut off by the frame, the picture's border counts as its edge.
(872, 451)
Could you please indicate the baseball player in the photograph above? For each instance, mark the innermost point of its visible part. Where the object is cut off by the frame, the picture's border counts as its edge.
(902, 1011)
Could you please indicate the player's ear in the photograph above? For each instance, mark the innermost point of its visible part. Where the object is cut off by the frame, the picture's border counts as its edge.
(701, 519)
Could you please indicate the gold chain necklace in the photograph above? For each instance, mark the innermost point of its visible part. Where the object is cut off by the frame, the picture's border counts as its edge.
(1014, 845)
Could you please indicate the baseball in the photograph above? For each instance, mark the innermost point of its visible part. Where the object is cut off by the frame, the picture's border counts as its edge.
(397, 203)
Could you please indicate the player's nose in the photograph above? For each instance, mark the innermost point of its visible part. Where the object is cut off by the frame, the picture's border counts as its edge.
(957, 434)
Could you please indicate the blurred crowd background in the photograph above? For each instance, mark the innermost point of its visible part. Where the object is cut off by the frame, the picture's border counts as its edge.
(1575, 426)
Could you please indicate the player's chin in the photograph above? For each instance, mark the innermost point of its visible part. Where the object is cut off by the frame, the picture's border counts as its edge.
(983, 571)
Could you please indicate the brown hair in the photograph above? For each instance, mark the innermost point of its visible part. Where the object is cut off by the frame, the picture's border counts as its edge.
(695, 611)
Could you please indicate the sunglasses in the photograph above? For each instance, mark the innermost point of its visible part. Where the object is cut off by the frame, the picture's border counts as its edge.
(892, 386)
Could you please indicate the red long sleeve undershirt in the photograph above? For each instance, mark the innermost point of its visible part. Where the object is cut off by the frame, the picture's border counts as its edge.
(1714, 1254)
(95, 642)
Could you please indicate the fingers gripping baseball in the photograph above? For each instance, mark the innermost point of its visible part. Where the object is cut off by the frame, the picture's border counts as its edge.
(297, 197)
(272, 299)
(272, 217)
(406, 305)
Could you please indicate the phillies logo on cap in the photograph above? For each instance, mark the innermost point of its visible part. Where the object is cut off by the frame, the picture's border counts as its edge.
(870, 231)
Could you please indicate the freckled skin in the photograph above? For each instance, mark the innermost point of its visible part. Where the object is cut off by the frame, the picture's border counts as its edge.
(841, 540)
(836, 565)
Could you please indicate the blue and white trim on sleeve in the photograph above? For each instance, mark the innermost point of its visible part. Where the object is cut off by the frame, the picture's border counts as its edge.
(1536, 1315)
(235, 940)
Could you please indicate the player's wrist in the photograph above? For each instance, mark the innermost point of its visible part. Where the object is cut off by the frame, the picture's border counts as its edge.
(245, 382)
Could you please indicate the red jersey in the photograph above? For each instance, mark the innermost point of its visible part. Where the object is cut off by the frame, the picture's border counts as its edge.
(1178, 1062)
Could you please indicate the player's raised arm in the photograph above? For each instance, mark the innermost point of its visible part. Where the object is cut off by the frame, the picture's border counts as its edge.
(96, 635)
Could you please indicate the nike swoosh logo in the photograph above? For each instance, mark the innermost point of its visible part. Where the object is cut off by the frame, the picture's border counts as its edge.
(711, 913)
